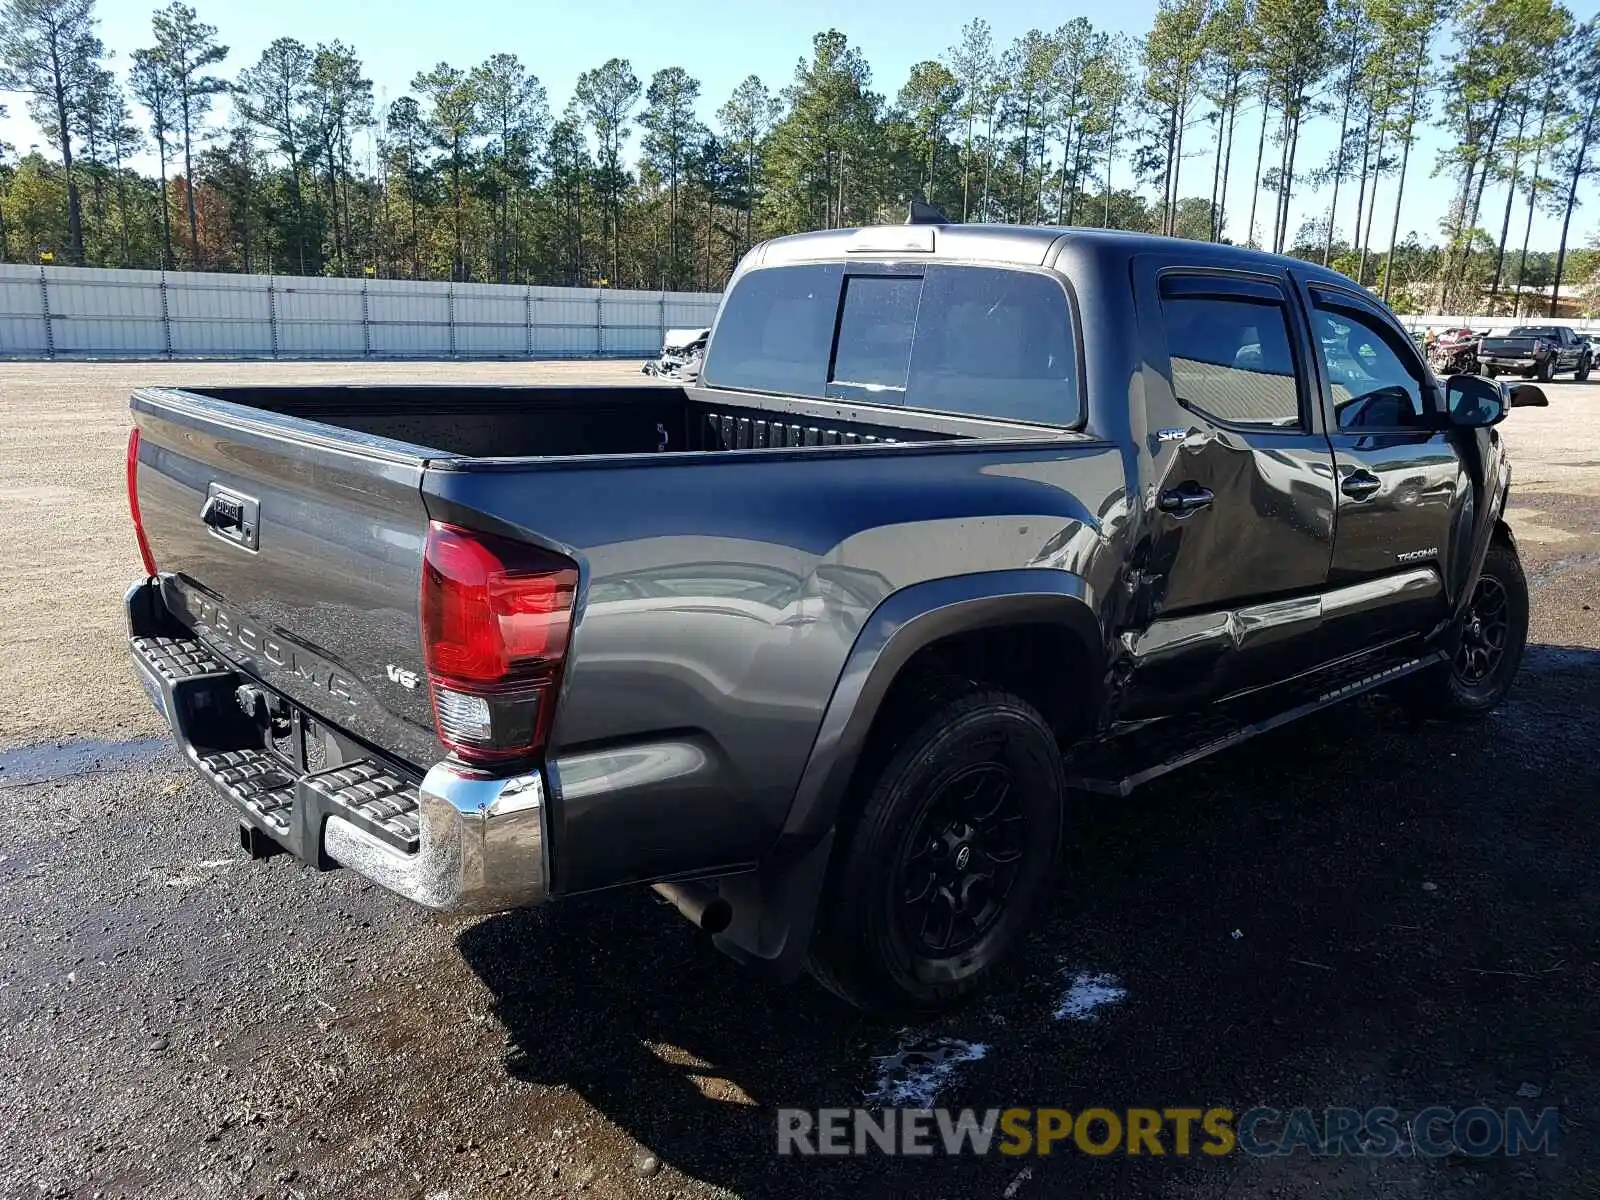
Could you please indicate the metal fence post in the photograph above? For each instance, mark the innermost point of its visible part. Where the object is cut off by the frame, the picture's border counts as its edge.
(44, 305)
(450, 309)
(272, 315)
(599, 323)
(166, 317)
(527, 318)
(366, 322)
(661, 319)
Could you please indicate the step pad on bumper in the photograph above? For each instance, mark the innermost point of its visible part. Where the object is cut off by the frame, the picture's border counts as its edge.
(254, 780)
(374, 798)
(363, 793)
(178, 658)
(194, 688)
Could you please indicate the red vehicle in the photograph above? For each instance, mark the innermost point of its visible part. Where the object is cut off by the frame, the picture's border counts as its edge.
(1455, 352)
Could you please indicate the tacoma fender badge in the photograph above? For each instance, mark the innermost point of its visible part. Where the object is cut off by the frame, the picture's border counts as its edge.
(1407, 556)
(405, 678)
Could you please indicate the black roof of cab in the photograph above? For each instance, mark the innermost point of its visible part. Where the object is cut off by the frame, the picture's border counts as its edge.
(1021, 245)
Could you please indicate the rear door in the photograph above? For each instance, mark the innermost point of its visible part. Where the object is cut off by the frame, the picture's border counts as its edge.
(1244, 521)
(1571, 350)
(1405, 489)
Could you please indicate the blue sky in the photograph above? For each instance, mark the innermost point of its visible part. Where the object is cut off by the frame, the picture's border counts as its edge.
(720, 42)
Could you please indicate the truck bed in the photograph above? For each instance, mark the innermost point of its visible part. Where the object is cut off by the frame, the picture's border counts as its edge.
(338, 485)
(560, 422)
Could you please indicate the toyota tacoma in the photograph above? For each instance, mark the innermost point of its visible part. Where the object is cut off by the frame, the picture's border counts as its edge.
(956, 523)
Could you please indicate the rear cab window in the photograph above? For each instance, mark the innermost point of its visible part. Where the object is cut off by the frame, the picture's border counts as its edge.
(775, 331)
(986, 342)
(1231, 351)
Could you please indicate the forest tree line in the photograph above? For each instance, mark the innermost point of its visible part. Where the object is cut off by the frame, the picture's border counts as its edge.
(287, 164)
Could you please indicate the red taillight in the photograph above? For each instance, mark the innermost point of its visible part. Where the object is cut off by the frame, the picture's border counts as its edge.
(133, 502)
(495, 618)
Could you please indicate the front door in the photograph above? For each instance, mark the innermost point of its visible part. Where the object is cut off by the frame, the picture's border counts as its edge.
(1405, 490)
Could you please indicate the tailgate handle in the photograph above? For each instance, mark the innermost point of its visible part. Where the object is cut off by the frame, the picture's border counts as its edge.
(219, 517)
(232, 517)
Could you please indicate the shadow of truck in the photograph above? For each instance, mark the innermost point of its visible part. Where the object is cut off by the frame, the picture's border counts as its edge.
(1350, 982)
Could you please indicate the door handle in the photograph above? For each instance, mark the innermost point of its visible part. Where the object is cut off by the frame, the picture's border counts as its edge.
(1360, 485)
(1179, 501)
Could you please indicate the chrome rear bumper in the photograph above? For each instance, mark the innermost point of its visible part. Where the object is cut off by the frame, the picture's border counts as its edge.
(481, 849)
(457, 840)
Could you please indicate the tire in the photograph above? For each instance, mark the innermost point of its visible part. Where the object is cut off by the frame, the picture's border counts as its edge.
(1546, 371)
(1489, 647)
(1581, 375)
(928, 895)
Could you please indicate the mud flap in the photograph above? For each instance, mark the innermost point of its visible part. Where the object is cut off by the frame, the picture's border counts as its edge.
(775, 912)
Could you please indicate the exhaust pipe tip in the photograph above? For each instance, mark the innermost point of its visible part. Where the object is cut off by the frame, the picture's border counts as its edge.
(701, 905)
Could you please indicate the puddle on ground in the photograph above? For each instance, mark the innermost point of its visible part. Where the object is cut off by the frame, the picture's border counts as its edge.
(1087, 993)
(64, 760)
(918, 1070)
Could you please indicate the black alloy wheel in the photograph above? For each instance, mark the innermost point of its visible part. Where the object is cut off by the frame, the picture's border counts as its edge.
(1484, 632)
(1488, 647)
(959, 866)
(938, 877)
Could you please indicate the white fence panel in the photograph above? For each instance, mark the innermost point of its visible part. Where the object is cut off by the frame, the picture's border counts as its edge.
(556, 341)
(219, 316)
(632, 322)
(48, 312)
(221, 338)
(101, 311)
(408, 319)
(1584, 325)
(491, 320)
(72, 335)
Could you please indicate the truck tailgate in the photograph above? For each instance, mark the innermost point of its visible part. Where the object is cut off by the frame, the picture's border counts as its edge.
(1506, 347)
(308, 572)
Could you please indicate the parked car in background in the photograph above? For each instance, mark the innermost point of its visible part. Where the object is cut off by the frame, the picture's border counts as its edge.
(1455, 352)
(1536, 352)
(678, 347)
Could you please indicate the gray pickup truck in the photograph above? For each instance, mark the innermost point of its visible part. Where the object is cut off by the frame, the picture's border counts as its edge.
(956, 522)
(1536, 352)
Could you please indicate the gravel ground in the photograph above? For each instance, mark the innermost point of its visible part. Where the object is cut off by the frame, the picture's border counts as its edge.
(66, 540)
(1359, 910)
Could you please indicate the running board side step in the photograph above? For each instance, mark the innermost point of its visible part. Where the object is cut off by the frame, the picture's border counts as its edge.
(1106, 768)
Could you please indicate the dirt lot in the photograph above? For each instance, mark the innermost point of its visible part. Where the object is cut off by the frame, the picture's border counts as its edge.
(66, 537)
(1361, 910)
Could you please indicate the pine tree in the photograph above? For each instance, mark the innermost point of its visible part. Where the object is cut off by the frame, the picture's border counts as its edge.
(671, 132)
(273, 96)
(607, 96)
(49, 52)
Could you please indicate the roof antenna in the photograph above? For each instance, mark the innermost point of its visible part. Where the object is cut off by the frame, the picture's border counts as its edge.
(923, 213)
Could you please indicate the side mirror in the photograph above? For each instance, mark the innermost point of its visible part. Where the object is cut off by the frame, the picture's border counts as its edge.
(1474, 402)
(1526, 395)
